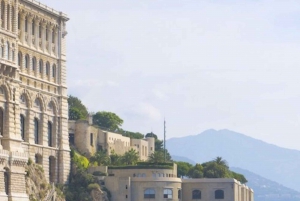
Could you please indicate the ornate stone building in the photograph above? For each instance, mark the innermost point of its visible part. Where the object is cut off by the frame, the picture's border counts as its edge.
(33, 94)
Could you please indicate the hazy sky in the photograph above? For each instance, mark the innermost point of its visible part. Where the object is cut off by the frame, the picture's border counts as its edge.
(205, 64)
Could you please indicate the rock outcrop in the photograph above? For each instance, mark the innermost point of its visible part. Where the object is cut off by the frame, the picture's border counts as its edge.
(37, 187)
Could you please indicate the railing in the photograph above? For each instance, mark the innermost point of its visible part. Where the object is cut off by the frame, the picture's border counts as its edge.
(46, 7)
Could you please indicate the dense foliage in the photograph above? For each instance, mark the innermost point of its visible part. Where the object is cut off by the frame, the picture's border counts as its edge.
(217, 168)
(107, 120)
(80, 182)
(76, 109)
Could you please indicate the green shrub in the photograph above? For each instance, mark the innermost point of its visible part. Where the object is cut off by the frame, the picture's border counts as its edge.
(93, 186)
(142, 167)
(99, 173)
(29, 161)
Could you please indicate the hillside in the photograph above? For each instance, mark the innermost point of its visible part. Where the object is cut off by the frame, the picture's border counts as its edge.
(270, 161)
(267, 190)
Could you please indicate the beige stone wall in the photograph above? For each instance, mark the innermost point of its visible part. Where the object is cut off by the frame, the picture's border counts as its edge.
(143, 173)
(32, 71)
(105, 140)
(141, 146)
(233, 190)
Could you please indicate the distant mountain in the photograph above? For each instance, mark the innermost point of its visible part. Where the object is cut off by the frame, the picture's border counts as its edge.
(267, 190)
(183, 159)
(270, 161)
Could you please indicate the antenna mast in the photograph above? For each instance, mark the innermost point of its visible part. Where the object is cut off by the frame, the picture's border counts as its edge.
(165, 139)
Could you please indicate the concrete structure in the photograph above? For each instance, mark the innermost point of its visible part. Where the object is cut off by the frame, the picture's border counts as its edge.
(88, 139)
(157, 184)
(33, 94)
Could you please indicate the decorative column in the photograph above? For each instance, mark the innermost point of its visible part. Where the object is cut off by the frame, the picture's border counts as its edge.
(50, 39)
(37, 24)
(55, 41)
(22, 27)
(29, 29)
(44, 24)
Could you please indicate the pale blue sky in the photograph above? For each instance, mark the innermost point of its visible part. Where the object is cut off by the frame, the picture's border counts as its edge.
(201, 64)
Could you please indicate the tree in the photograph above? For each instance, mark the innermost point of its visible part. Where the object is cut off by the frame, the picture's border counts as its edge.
(183, 169)
(239, 177)
(101, 158)
(131, 157)
(159, 145)
(157, 157)
(76, 109)
(115, 159)
(132, 135)
(219, 160)
(107, 120)
(215, 170)
(196, 171)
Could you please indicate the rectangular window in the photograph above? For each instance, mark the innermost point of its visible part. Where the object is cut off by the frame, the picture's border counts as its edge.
(71, 138)
(92, 139)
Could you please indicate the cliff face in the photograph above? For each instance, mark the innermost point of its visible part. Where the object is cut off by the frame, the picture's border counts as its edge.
(37, 187)
(99, 195)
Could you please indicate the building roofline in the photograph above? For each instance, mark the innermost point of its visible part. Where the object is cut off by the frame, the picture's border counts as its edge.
(47, 9)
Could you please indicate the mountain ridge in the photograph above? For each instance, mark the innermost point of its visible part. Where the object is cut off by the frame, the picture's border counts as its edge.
(268, 160)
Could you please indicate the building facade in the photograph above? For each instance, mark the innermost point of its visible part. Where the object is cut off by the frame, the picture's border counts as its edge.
(162, 184)
(33, 94)
(88, 139)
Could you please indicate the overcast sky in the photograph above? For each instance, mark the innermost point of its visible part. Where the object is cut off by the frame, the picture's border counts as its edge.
(205, 64)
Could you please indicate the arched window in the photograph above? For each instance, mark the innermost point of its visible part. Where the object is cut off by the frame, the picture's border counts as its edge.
(33, 63)
(47, 68)
(19, 21)
(19, 59)
(12, 17)
(6, 181)
(46, 34)
(196, 194)
(27, 61)
(22, 126)
(219, 194)
(41, 64)
(54, 71)
(36, 131)
(7, 17)
(2, 50)
(168, 193)
(26, 24)
(149, 193)
(33, 27)
(1, 121)
(13, 55)
(40, 30)
(50, 134)
(53, 36)
(7, 50)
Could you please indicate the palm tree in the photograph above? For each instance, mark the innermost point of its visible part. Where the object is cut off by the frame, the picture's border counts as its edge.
(101, 158)
(131, 157)
(220, 161)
